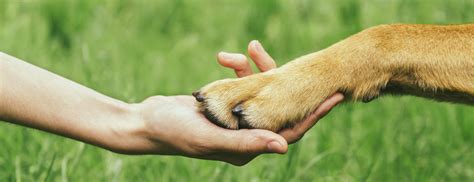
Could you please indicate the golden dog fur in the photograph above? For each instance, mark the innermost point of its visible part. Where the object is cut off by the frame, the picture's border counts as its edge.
(431, 61)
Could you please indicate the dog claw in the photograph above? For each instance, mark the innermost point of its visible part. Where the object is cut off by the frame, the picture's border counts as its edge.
(368, 99)
(237, 110)
(198, 96)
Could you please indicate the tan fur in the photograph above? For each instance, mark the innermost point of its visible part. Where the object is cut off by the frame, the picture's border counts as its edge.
(430, 61)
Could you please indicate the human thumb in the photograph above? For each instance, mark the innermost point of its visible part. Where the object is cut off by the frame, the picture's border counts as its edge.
(254, 141)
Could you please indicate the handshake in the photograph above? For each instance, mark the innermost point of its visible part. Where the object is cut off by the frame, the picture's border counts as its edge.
(188, 132)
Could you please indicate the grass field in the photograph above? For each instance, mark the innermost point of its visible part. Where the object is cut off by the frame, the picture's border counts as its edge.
(134, 49)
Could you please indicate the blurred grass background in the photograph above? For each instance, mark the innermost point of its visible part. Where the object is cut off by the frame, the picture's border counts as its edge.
(134, 49)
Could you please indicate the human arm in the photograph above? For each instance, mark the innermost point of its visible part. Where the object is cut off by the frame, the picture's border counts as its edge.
(34, 97)
(37, 98)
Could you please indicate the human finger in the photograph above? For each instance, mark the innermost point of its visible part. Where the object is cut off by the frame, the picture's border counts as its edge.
(260, 57)
(238, 62)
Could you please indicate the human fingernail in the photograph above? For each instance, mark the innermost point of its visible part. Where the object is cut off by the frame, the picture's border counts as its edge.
(226, 55)
(258, 46)
(274, 146)
(231, 56)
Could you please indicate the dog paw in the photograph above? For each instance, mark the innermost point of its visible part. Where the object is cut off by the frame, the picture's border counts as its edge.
(272, 100)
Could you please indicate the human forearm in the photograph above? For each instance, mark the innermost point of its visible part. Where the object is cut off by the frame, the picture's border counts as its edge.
(34, 97)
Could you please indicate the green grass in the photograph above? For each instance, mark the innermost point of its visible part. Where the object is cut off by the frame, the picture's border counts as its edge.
(132, 50)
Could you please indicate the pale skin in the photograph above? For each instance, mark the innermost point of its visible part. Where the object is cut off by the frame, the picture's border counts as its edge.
(164, 125)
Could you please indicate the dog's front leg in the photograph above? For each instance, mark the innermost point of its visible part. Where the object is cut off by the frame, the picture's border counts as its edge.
(429, 61)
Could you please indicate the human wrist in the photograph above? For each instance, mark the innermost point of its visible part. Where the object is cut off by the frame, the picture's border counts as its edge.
(125, 132)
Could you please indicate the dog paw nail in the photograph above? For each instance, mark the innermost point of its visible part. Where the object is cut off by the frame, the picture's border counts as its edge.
(198, 96)
(237, 110)
(369, 99)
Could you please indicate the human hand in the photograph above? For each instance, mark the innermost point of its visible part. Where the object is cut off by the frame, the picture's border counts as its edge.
(174, 126)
